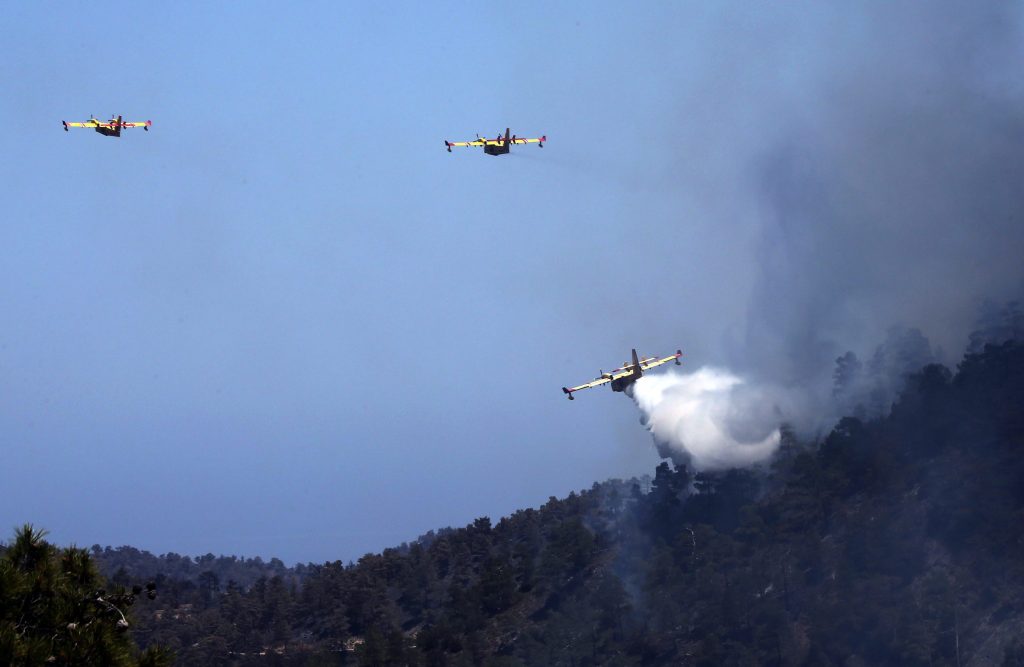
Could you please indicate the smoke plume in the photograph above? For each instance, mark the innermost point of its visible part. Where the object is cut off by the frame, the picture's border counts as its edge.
(887, 209)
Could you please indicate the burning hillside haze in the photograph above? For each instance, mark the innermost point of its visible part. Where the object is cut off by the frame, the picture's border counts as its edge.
(887, 209)
(897, 202)
(712, 419)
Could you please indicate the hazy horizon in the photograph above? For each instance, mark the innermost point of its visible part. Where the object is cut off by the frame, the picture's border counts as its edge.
(285, 322)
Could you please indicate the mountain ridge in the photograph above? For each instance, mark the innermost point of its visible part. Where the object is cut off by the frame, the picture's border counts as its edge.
(892, 540)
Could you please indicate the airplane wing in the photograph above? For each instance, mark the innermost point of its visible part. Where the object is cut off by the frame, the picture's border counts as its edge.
(93, 123)
(520, 140)
(625, 371)
(645, 363)
(478, 142)
(651, 363)
(595, 383)
(604, 379)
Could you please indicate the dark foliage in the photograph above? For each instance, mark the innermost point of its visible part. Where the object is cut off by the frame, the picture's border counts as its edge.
(55, 609)
(896, 540)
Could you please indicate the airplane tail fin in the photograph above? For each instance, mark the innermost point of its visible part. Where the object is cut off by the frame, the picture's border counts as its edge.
(507, 135)
(117, 128)
(636, 365)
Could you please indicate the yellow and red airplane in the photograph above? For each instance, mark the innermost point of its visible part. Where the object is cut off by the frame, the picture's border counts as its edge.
(625, 375)
(111, 128)
(498, 146)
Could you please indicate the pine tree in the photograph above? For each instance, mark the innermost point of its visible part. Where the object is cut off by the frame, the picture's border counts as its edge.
(54, 608)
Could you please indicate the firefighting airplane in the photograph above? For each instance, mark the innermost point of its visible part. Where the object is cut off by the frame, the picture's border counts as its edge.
(625, 375)
(111, 128)
(498, 146)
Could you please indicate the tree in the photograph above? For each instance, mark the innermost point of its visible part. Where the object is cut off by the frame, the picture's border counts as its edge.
(54, 608)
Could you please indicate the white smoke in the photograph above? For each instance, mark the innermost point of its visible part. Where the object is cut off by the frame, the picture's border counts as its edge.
(710, 418)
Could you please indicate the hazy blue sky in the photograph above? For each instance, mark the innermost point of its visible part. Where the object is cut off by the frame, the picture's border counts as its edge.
(285, 322)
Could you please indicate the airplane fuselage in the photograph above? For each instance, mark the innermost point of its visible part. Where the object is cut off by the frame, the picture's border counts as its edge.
(496, 149)
(621, 384)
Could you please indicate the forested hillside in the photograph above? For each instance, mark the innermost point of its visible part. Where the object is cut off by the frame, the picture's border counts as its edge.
(894, 541)
(897, 540)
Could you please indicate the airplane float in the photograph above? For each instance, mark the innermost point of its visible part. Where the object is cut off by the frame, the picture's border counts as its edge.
(498, 146)
(111, 128)
(625, 375)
